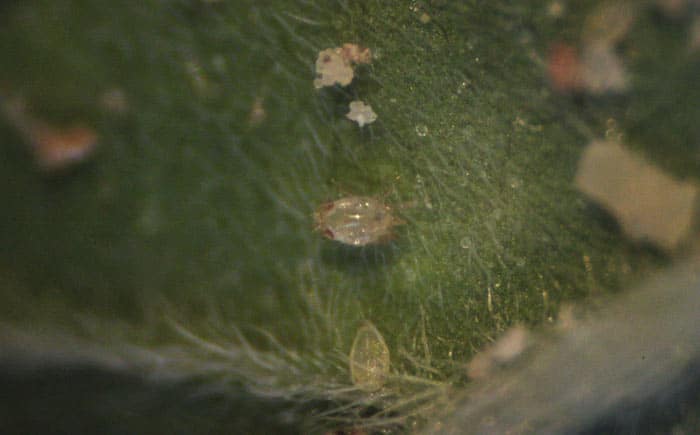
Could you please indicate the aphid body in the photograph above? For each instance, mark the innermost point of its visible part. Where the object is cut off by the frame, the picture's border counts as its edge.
(356, 220)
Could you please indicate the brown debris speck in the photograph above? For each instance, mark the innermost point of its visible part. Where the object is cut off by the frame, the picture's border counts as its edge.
(331, 68)
(335, 65)
(564, 67)
(353, 53)
(54, 147)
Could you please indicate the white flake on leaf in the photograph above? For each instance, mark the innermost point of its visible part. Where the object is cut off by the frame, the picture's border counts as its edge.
(361, 113)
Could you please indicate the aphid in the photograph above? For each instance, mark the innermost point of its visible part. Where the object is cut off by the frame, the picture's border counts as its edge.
(356, 220)
(369, 358)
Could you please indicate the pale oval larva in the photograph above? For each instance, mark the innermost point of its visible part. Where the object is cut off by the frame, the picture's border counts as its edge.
(356, 220)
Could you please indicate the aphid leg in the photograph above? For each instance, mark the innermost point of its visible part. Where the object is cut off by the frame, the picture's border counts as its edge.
(327, 206)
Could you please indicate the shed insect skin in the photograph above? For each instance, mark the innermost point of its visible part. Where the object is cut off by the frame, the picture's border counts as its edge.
(356, 221)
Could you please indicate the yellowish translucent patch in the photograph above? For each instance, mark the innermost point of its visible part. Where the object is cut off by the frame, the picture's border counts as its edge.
(369, 358)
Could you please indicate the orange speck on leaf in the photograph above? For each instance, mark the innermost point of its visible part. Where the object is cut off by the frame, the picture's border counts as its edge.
(564, 67)
(356, 54)
(57, 148)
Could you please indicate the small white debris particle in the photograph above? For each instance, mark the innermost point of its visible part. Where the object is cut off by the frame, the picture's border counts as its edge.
(602, 70)
(361, 113)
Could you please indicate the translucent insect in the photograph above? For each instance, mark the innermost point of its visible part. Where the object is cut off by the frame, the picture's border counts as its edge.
(369, 358)
(356, 220)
